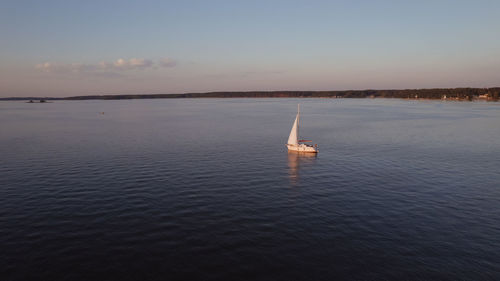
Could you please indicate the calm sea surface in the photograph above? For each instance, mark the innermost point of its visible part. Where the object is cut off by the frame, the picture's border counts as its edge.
(204, 189)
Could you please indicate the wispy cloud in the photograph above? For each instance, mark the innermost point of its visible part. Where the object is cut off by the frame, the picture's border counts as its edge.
(119, 65)
(122, 64)
(167, 62)
(65, 68)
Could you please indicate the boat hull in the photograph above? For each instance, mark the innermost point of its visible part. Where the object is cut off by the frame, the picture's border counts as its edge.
(302, 148)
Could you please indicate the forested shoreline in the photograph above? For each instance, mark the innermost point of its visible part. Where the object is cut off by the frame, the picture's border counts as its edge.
(492, 94)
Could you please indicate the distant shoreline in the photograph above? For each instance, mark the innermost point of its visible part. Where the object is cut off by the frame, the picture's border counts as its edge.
(463, 94)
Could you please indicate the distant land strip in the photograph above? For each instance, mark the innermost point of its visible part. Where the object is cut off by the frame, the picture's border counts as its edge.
(491, 94)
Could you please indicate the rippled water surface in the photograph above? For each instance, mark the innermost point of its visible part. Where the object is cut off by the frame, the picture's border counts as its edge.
(204, 189)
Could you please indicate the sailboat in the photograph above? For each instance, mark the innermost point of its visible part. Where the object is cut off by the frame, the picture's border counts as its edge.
(294, 144)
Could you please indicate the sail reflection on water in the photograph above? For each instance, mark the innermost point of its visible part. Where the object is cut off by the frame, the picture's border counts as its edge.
(298, 160)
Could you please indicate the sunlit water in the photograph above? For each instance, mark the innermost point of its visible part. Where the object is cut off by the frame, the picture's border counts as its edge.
(204, 189)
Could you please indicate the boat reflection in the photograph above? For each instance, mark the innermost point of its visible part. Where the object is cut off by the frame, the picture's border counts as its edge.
(296, 160)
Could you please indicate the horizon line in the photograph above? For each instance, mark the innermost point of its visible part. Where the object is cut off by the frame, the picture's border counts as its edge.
(249, 91)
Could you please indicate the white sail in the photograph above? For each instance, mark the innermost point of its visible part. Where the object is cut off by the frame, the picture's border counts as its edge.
(293, 139)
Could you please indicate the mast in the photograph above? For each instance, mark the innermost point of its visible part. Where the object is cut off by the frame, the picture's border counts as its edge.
(298, 119)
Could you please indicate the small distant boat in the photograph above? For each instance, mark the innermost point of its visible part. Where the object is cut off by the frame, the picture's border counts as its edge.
(294, 144)
(40, 101)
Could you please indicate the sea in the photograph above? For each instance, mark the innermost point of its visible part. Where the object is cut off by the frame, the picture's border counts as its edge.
(204, 189)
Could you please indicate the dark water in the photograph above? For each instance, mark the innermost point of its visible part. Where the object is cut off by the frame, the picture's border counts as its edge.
(205, 190)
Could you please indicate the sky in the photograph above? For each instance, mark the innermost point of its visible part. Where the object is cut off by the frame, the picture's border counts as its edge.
(67, 48)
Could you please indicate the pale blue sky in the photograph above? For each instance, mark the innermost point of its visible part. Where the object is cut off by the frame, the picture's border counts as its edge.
(64, 48)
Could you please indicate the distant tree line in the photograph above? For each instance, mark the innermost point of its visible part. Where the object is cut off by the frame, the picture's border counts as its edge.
(455, 93)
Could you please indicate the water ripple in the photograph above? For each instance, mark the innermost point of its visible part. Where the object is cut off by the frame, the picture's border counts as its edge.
(204, 190)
